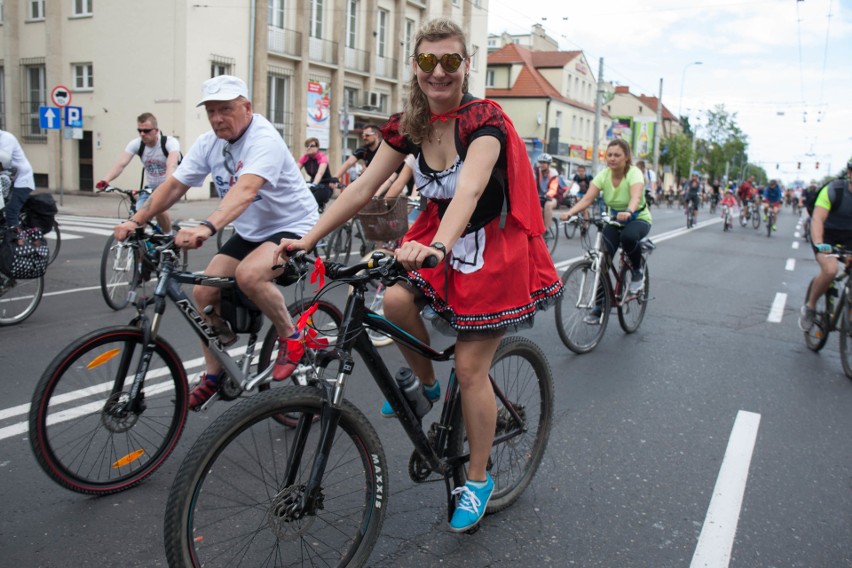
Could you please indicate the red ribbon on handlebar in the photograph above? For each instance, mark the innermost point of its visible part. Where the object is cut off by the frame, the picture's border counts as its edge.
(318, 274)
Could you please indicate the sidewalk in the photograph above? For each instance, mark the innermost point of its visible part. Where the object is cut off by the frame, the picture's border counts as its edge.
(87, 204)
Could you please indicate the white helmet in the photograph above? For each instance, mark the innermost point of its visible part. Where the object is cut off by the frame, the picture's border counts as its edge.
(544, 157)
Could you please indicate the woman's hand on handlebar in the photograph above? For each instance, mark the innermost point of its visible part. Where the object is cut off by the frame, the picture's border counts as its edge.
(285, 249)
(413, 255)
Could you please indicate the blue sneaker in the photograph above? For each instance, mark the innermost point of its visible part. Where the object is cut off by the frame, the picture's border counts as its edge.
(471, 505)
(433, 393)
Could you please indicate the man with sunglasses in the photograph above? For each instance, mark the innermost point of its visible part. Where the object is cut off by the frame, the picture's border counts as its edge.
(263, 195)
(372, 139)
(157, 163)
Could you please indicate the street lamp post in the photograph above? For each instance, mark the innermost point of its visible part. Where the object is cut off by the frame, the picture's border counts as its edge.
(680, 108)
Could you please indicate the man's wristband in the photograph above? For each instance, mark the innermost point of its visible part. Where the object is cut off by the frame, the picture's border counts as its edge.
(210, 226)
(135, 222)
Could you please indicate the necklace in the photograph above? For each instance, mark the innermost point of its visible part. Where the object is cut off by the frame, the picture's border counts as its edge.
(439, 134)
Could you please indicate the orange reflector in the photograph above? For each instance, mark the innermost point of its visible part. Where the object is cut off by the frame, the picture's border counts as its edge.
(103, 358)
(131, 457)
(199, 538)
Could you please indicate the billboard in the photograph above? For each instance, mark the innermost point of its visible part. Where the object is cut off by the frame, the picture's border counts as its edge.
(319, 112)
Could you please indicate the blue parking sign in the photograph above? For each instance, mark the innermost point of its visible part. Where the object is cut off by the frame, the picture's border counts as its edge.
(74, 117)
(49, 118)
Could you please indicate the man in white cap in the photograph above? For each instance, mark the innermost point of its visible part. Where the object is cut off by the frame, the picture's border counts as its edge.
(263, 195)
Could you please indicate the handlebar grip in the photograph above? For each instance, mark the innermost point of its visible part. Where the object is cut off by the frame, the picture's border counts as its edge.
(431, 261)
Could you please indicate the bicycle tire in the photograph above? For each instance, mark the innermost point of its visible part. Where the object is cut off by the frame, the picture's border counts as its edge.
(119, 272)
(551, 236)
(755, 219)
(57, 243)
(725, 221)
(570, 229)
(242, 460)
(521, 371)
(578, 280)
(817, 335)
(690, 217)
(326, 321)
(743, 219)
(223, 234)
(19, 298)
(845, 341)
(83, 446)
(631, 307)
(588, 235)
(769, 223)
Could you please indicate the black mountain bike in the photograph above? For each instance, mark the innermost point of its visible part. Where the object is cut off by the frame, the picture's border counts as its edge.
(249, 493)
(833, 313)
(110, 408)
(770, 220)
(596, 281)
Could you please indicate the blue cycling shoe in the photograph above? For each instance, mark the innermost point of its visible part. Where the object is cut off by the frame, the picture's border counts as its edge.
(471, 505)
(433, 393)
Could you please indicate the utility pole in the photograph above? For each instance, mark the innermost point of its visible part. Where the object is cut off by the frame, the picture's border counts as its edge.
(658, 133)
(596, 140)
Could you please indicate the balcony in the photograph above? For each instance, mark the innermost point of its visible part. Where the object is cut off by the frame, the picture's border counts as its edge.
(356, 60)
(322, 51)
(285, 42)
(386, 67)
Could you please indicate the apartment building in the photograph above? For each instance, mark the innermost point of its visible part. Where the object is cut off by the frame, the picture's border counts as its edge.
(550, 96)
(323, 68)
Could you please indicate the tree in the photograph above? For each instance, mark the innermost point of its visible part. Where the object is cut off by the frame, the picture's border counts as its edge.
(723, 145)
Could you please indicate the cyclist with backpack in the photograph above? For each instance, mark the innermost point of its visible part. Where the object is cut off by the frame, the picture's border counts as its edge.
(160, 155)
(23, 182)
(831, 224)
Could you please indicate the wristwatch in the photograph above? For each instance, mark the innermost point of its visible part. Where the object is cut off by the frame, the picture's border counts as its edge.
(441, 247)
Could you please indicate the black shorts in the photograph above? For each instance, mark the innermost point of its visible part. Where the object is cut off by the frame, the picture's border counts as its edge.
(836, 239)
(239, 248)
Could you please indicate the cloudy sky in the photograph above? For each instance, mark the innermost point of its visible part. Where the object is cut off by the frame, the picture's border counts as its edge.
(784, 67)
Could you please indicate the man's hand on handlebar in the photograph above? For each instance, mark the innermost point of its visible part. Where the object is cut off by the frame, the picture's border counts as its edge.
(192, 238)
(124, 230)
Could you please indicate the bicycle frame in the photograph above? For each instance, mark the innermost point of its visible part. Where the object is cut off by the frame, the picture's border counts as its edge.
(603, 267)
(356, 317)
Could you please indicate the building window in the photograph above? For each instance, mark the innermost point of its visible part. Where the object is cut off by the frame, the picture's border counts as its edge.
(221, 65)
(82, 8)
(474, 58)
(276, 13)
(352, 24)
(36, 10)
(489, 78)
(34, 96)
(383, 32)
(408, 41)
(351, 96)
(83, 76)
(278, 103)
(316, 18)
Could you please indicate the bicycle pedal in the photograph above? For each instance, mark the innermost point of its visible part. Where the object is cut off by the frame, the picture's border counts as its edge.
(473, 529)
(209, 402)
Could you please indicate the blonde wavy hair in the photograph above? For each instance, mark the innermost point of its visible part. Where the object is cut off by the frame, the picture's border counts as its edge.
(416, 121)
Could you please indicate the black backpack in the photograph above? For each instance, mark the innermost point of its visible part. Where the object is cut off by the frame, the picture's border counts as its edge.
(39, 212)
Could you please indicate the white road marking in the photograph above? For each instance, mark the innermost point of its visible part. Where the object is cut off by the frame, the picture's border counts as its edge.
(795, 244)
(720, 524)
(791, 264)
(776, 312)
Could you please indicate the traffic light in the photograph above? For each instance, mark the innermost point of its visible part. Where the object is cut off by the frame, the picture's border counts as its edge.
(798, 165)
(817, 165)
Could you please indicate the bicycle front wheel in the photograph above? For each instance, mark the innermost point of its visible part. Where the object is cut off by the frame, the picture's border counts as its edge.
(56, 244)
(845, 328)
(817, 335)
(570, 229)
(524, 386)
(84, 431)
(551, 236)
(631, 307)
(770, 220)
(118, 273)
(578, 328)
(19, 298)
(755, 219)
(239, 497)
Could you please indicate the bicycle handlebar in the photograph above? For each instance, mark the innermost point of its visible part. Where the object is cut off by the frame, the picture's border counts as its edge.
(380, 265)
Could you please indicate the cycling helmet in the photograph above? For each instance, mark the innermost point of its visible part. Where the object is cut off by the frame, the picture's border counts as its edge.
(544, 157)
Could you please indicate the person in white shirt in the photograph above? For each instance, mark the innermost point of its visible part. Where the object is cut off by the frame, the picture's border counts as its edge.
(263, 195)
(159, 158)
(23, 182)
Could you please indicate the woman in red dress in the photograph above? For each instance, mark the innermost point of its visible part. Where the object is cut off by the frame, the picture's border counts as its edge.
(483, 222)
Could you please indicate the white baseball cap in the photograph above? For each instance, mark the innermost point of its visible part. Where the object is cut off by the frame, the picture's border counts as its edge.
(223, 88)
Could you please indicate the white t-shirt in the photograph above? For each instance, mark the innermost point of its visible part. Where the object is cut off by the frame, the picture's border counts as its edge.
(283, 202)
(153, 159)
(10, 144)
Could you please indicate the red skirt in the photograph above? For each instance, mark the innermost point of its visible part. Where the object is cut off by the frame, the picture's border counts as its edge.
(516, 280)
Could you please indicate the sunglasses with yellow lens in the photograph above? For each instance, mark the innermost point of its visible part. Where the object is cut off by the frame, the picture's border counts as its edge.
(449, 61)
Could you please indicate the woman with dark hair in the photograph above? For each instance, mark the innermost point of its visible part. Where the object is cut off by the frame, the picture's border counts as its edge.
(623, 185)
(315, 164)
(482, 221)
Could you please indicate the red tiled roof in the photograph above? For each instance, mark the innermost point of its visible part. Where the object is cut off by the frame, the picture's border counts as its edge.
(544, 59)
(651, 103)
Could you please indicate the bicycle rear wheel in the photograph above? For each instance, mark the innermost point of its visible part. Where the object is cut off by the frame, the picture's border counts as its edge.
(56, 244)
(523, 378)
(551, 236)
(631, 307)
(81, 432)
(340, 244)
(816, 337)
(118, 272)
(770, 220)
(19, 298)
(325, 321)
(576, 304)
(239, 496)
(755, 218)
(570, 229)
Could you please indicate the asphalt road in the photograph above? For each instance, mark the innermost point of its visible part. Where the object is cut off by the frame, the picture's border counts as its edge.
(643, 440)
